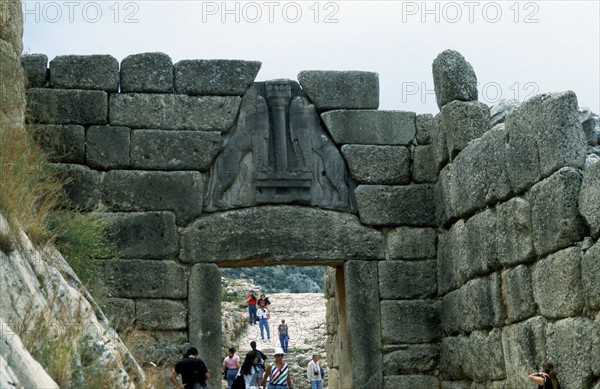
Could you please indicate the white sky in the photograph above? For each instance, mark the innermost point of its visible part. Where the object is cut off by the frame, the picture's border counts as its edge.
(517, 48)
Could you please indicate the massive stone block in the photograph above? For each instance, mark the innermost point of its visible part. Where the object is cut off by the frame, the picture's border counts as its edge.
(276, 233)
(411, 205)
(484, 360)
(65, 144)
(83, 186)
(424, 125)
(107, 147)
(161, 314)
(36, 70)
(12, 88)
(596, 345)
(589, 198)
(410, 359)
(424, 166)
(147, 72)
(174, 150)
(463, 122)
(341, 90)
(11, 29)
(133, 278)
(452, 258)
(411, 243)
(411, 381)
(138, 190)
(555, 213)
(518, 289)
(524, 348)
(144, 234)
(371, 164)
(370, 127)
(453, 78)
(161, 347)
(173, 112)
(544, 135)
(120, 312)
(62, 106)
(416, 321)
(407, 280)
(557, 284)
(453, 355)
(481, 243)
(85, 72)
(363, 317)
(214, 77)
(438, 141)
(590, 277)
(514, 232)
(570, 342)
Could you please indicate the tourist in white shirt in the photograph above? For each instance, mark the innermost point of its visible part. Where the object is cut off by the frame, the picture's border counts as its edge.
(263, 322)
(313, 373)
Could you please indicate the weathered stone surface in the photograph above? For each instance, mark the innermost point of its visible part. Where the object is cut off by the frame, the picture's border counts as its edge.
(12, 88)
(570, 342)
(107, 147)
(120, 312)
(453, 354)
(416, 321)
(62, 106)
(341, 89)
(136, 278)
(424, 166)
(410, 359)
(11, 26)
(438, 141)
(463, 122)
(596, 345)
(555, 213)
(147, 72)
(163, 348)
(85, 72)
(518, 289)
(481, 257)
(333, 351)
(444, 194)
(524, 347)
(589, 199)
(514, 232)
(411, 381)
(484, 360)
(407, 280)
(477, 305)
(331, 314)
(64, 144)
(161, 314)
(36, 70)
(458, 385)
(173, 112)
(453, 78)
(543, 135)
(214, 77)
(411, 205)
(452, 258)
(371, 164)
(370, 127)
(275, 233)
(174, 150)
(501, 110)
(557, 284)
(424, 125)
(362, 296)
(411, 243)
(138, 190)
(144, 234)
(204, 324)
(83, 186)
(590, 277)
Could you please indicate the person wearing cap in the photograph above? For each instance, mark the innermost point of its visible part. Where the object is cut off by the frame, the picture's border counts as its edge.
(251, 300)
(277, 375)
(313, 373)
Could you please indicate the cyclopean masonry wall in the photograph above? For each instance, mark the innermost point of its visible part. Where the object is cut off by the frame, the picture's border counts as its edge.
(467, 281)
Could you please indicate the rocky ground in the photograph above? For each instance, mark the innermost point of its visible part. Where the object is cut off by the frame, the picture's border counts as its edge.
(305, 315)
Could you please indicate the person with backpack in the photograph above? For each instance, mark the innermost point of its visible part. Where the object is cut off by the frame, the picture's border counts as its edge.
(249, 377)
(193, 370)
(546, 377)
(262, 358)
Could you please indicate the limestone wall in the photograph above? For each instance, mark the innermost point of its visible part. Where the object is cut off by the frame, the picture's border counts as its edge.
(471, 257)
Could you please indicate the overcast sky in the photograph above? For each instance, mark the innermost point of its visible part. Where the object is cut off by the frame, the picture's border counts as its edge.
(517, 48)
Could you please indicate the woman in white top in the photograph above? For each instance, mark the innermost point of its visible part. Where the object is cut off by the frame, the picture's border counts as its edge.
(250, 372)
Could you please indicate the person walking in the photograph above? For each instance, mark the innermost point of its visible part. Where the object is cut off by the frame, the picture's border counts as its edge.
(249, 370)
(263, 322)
(283, 335)
(251, 300)
(193, 370)
(231, 365)
(314, 373)
(277, 375)
(262, 358)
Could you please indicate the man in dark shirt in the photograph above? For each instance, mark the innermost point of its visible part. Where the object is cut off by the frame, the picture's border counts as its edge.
(193, 370)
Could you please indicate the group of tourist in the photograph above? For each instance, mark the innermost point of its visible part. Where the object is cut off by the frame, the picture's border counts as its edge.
(259, 310)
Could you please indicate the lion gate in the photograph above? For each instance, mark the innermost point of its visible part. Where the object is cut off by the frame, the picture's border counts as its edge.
(442, 230)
